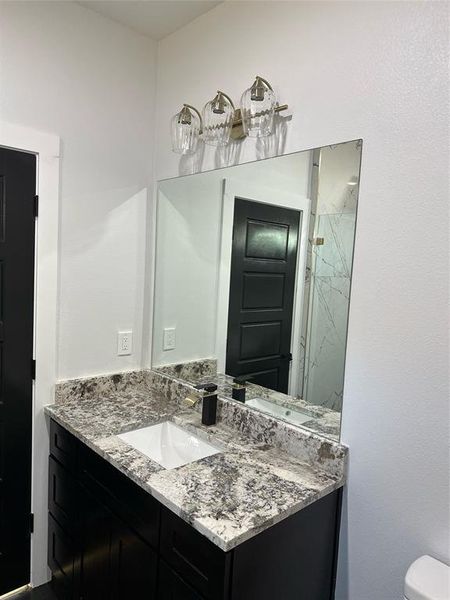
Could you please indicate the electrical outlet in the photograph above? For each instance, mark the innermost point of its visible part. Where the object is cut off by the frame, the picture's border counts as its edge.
(124, 343)
(169, 342)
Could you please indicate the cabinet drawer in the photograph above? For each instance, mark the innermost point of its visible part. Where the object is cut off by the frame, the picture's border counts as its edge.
(194, 557)
(172, 587)
(63, 446)
(126, 499)
(63, 560)
(63, 497)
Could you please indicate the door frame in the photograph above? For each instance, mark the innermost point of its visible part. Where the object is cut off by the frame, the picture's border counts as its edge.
(233, 188)
(47, 149)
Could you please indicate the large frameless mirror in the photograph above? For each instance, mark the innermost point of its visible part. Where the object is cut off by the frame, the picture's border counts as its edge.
(252, 281)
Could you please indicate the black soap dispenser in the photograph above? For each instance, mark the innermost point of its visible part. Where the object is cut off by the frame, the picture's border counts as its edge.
(238, 390)
(209, 404)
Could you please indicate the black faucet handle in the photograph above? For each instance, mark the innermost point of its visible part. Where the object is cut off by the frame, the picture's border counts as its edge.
(207, 387)
(240, 380)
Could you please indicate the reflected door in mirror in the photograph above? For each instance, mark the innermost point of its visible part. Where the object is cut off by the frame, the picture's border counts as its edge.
(262, 284)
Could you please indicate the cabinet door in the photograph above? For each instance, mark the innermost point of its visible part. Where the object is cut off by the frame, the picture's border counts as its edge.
(63, 560)
(133, 565)
(172, 587)
(63, 498)
(199, 562)
(96, 549)
(63, 446)
(125, 499)
(292, 560)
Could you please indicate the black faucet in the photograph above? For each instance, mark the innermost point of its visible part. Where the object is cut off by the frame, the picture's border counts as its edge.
(238, 391)
(209, 403)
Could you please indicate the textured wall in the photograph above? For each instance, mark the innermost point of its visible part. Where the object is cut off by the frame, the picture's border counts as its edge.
(377, 71)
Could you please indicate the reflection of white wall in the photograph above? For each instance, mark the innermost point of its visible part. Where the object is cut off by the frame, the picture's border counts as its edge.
(188, 247)
(379, 71)
(339, 164)
(187, 254)
(66, 70)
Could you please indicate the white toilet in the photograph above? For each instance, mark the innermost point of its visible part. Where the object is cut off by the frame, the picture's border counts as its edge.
(427, 579)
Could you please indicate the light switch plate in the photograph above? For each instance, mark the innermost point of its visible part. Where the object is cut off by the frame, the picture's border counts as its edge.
(124, 343)
(170, 338)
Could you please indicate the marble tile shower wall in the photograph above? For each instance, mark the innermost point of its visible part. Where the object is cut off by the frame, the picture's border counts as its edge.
(330, 296)
(335, 198)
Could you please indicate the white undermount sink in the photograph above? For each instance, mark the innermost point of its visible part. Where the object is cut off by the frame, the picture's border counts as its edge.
(276, 410)
(169, 445)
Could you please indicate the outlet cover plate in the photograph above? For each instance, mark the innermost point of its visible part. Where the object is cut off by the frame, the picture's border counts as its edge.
(169, 342)
(124, 343)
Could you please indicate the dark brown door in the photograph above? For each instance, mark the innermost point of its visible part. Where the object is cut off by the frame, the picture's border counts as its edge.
(17, 225)
(263, 267)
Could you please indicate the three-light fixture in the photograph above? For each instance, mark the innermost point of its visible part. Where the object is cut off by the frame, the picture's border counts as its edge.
(220, 121)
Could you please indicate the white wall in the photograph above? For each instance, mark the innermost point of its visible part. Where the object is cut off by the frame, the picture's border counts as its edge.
(66, 70)
(187, 258)
(378, 71)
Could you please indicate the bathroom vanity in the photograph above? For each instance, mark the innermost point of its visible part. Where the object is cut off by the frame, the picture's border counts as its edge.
(250, 521)
(147, 498)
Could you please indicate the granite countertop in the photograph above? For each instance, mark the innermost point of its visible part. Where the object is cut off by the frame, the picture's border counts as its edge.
(228, 497)
(322, 421)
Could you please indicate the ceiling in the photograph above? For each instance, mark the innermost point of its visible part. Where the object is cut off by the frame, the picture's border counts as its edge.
(154, 18)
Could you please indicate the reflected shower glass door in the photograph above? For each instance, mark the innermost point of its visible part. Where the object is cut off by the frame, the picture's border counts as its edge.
(332, 254)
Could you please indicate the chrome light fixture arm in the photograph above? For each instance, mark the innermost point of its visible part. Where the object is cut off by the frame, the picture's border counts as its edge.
(277, 109)
(266, 83)
(220, 93)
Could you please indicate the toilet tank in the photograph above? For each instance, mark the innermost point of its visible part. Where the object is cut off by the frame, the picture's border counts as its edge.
(427, 579)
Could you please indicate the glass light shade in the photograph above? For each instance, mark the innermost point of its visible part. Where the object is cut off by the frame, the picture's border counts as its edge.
(258, 105)
(185, 131)
(218, 117)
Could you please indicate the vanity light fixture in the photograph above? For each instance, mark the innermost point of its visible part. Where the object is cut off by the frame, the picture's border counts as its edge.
(222, 121)
(218, 117)
(353, 180)
(258, 105)
(186, 128)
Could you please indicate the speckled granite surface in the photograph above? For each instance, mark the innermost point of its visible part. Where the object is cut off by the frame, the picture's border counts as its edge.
(267, 471)
(323, 421)
(190, 371)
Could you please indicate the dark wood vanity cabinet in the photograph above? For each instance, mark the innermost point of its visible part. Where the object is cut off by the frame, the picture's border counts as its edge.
(110, 540)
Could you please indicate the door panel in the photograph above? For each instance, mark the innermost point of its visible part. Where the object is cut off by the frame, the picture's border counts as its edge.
(63, 560)
(262, 284)
(260, 340)
(133, 565)
(17, 225)
(266, 240)
(263, 290)
(96, 549)
(172, 587)
(199, 562)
